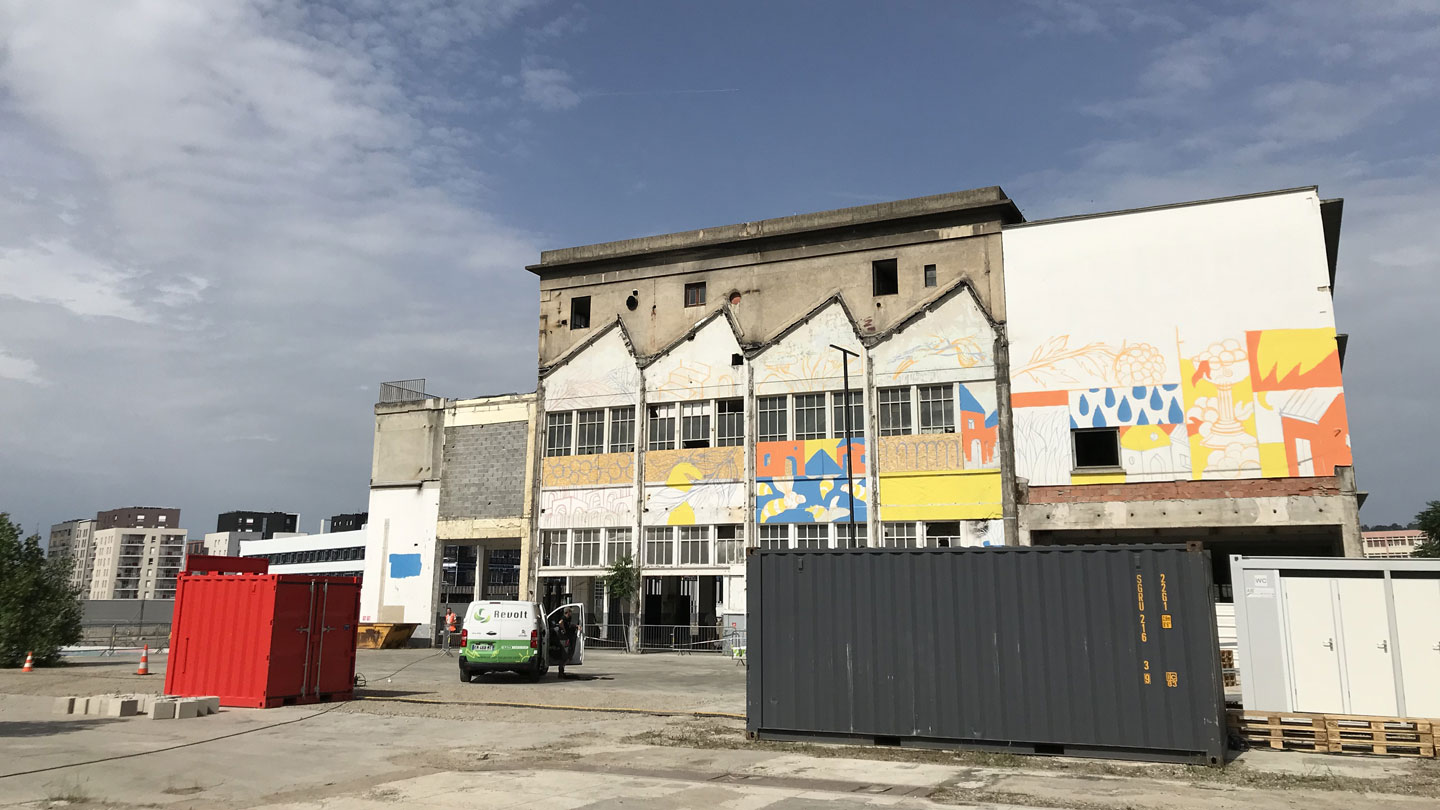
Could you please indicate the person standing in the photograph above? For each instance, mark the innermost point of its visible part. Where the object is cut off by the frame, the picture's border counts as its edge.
(449, 625)
(567, 632)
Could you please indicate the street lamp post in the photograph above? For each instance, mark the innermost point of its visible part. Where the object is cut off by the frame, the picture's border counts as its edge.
(845, 355)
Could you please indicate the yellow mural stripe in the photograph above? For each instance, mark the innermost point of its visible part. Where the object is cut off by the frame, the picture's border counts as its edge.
(1098, 478)
(950, 495)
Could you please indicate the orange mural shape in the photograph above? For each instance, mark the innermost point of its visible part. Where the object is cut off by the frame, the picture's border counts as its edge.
(1291, 359)
(1317, 448)
(1040, 399)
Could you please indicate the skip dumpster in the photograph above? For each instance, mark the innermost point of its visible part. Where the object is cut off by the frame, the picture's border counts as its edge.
(259, 640)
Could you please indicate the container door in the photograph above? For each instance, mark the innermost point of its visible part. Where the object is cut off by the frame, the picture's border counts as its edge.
(1314, 644)
(334, 669)
(1417, 621)
(294, 643)
(1365, 628)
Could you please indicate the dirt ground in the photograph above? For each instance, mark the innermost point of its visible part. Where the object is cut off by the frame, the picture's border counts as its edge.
(626, 735)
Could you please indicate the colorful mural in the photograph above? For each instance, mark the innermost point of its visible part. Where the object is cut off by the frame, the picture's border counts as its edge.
(804, 481)
(1056, 365)
(1136, 405)
(698, 486)
(929, 451)
(607, 469)
(955, 495)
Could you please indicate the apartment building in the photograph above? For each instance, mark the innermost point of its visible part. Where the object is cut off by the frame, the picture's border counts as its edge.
(138, 553)
(938, 372)
(74, 539)
(266, 524)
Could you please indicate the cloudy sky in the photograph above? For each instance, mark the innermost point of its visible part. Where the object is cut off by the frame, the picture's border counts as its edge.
(222, 224)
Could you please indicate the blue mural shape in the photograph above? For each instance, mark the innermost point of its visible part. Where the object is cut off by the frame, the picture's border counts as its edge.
(404, 566)
(789, 490)
(1136, 405)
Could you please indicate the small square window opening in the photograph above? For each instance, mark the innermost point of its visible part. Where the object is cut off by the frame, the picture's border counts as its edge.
(695, 294)
(580, 312)
(1096, 447)
(885, 276)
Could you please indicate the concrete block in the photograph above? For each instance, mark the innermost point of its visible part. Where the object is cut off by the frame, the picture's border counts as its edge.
(163, 710)
(187, 708)
(122, 707)
(64, 705)
(212, 704)
(98, 706)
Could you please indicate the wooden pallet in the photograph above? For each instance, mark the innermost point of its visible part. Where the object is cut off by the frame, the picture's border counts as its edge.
(1334, 733)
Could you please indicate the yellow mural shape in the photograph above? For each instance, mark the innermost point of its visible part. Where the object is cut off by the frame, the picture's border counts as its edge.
(1098, 478)
(1295, 358)
(1141, 438)
(954, 495)
(681, 515)
(605, 469)
(699, 464)
(1220, 412)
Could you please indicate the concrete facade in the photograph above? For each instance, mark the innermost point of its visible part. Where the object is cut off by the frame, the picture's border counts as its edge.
(445, 473)
(225, 544)
(138, 517)
(137, 563)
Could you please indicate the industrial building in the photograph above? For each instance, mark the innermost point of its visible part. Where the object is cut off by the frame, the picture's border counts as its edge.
(1390, 544)
(927, 372)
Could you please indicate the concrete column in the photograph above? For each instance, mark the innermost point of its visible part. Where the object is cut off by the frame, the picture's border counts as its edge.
(482, 571)
(1006, 440)
(1351, 541)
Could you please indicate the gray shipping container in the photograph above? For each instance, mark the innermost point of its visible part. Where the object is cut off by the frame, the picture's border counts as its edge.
(1080, 650)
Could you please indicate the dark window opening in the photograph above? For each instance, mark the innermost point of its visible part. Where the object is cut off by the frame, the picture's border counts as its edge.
(580, 312)
(1097, 447)
(885, 276)
(929, 275)
(737, 359)
(695, 294)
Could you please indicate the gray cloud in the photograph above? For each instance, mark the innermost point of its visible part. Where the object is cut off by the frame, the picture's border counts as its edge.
(220, 230)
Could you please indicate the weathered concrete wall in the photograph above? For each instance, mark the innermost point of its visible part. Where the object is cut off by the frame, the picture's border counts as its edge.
(485, 470)
(409, 439)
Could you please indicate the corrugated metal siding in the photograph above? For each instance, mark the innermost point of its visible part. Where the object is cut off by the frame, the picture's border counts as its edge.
(1030, 648)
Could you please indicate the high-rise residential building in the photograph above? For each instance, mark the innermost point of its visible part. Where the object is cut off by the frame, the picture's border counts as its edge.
(349, 522)
(75, 539)
(138, 551)
(266, 523)
(222, 544)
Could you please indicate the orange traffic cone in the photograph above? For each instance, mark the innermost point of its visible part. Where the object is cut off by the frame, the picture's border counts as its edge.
(144, 662)
(29, 662)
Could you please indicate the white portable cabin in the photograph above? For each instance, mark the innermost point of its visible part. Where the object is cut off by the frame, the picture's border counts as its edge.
(1338, 635)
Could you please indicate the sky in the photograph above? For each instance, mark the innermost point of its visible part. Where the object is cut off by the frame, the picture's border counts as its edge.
(223, 224)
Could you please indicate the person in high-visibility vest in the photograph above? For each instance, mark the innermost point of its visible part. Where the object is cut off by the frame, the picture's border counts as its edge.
(449, 625)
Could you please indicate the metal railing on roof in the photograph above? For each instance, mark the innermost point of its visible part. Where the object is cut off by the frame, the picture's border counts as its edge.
(402, 391)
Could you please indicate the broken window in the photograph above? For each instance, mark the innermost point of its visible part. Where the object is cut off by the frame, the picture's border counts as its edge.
(1096, 447)
(580, 312)
(885, 276)
(695, 294)
(695, 424)
(661, 428)
(729, 545)
(943, 535)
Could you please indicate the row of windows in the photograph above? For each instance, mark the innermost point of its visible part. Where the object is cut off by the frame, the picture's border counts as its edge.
(884, 280)
(314, 555)
(725, 544)
(708, 423)
(664, 546)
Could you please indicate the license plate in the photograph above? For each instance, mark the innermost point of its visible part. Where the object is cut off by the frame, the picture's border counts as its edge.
(484, 646)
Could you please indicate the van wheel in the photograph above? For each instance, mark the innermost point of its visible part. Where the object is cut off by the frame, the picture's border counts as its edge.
(464, 676)
(537, 671)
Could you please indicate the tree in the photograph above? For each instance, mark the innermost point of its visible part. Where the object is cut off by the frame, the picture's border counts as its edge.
(1428, 521)
(39, 610)
(623, 583)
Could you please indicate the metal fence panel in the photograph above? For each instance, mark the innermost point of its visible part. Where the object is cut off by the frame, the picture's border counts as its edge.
(1098, 650)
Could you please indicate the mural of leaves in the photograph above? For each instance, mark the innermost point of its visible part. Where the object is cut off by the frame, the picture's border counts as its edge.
(1054, 361)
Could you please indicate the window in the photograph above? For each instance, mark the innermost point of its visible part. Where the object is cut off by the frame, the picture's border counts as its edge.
(857, 414)
(937, 409)
(662, 428)
(885, 276)
(580, 312)
(695, 424)
(812, 535)
(899, 535)
(694, 545)
(775, 535)
(659, 548)
(844, 539)
(617, 545)
(557, 433)
(729, 545)
(773, 423)
(809, 416)
(622, 430)
(586, 548)
(590, 432)
(1096, 447)
(729, 422)
(552, 548)
(894, 411)
(695, 294)
(943, 535)
(929, 275)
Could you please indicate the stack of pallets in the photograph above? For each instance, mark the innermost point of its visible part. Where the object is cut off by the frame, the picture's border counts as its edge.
(1334, 733)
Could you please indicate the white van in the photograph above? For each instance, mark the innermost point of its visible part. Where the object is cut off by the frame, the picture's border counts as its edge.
(500, 636)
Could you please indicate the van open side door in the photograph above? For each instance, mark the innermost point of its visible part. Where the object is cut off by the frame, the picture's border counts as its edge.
(577, 612)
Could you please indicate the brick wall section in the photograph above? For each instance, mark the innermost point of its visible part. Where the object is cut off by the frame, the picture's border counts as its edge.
(1186, 490)
(484, 473)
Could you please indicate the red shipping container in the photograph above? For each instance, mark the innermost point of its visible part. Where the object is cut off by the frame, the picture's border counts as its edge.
(259, 640)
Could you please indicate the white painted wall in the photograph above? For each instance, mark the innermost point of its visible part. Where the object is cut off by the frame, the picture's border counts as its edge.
(256, 547)
(227, 544)
(802, 361)
(401, 555)
(602, 374)
(698, 368)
